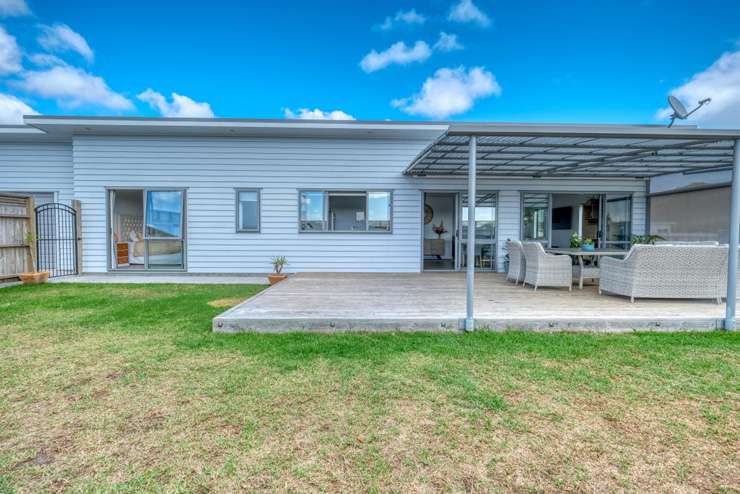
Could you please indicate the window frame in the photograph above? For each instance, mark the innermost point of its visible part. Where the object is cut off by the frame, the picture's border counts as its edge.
(237, 210)
(366, 193)
(548, 219)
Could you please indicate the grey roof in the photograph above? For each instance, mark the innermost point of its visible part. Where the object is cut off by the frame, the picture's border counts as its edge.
(82, 125)
(534, 150)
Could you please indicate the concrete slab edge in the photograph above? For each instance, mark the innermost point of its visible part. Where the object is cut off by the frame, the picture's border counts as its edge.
(225, 324)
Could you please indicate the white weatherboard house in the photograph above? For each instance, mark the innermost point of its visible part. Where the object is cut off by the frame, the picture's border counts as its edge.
(226, 195)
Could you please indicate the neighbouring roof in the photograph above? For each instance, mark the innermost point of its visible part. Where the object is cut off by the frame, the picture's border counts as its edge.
(589, 151)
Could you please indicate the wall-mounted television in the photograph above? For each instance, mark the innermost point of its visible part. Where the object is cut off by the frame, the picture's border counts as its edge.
(562, 218)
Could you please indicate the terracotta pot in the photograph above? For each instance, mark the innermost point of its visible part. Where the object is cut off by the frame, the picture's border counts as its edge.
(275, 278)
(34, 278)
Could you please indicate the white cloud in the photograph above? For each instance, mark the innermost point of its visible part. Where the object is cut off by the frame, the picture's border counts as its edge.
(12, 109)
(72, 87)
(10, 53)
(46, 60)
(467, 11)
(61, 38)
(180, 106)
(721, 82)
(13, 8)
(316, 114)
(447, 42)
(398, 53)
(449, 92)
(408, 17)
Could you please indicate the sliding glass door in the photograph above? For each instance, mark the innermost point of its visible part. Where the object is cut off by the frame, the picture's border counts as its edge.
(440, 231)
(163, 232)
(617, 222)
(485, 231)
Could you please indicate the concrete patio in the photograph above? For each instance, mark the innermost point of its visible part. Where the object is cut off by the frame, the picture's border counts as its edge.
(436, 302)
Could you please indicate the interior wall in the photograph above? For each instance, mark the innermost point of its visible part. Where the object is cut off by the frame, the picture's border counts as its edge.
(561, 238)
(349, 212)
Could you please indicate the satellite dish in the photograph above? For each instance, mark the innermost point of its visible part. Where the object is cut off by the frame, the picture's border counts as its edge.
(679, 111)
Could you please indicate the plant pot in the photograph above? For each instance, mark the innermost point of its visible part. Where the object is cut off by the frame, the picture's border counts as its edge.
(34, 278)
(276, 278)
(587, 247)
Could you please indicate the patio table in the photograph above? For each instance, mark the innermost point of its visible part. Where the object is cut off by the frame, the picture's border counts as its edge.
(579, 254)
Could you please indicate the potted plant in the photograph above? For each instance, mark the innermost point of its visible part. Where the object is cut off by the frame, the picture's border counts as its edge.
(587, 245)
(645, 239)
(575, 241)
(33, 277)
(278, 262)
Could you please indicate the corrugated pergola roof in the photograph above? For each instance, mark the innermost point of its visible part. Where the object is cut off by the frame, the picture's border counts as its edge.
(526, 150)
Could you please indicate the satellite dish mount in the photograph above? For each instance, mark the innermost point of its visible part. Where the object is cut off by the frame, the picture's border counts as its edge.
(679, 111)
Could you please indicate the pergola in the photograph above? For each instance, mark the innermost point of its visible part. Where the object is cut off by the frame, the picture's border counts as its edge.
(588, 151)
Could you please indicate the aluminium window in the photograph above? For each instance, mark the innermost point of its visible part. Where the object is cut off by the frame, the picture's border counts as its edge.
(247, 210)
(345, 211)
(535, 216)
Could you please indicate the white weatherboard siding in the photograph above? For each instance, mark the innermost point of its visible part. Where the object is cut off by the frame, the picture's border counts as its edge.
(211, 168)
(37, 167)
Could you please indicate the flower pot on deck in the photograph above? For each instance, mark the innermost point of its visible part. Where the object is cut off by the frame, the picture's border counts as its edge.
(276, 278)
(34, 278)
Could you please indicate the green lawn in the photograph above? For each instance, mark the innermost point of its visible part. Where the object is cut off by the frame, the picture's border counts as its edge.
(123, 388)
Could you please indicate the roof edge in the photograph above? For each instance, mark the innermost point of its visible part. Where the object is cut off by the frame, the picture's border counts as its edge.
(589, 130)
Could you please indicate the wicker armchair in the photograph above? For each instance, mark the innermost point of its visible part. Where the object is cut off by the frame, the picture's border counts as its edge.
(517, 263)
(543, 269)
(667, 271)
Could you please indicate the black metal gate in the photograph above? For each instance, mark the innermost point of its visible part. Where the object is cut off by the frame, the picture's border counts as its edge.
(56, 239)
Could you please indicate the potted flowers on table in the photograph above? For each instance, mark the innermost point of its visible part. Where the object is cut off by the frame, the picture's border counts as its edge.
(439, 229)
(278, 262)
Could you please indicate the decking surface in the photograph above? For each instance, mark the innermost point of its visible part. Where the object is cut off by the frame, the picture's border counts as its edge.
(436, 301)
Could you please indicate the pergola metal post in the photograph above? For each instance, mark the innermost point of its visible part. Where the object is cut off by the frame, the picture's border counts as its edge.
(734, 238)
(469, 315)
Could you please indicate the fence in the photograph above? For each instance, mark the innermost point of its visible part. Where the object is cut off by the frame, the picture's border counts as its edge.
(55, 243)
(17, 220)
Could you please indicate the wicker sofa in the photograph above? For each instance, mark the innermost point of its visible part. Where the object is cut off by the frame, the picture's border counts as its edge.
(667, 271)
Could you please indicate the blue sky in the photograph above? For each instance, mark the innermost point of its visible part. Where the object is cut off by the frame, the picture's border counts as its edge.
(536, 61)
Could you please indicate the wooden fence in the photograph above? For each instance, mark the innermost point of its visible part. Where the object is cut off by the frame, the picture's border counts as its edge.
(17, 220)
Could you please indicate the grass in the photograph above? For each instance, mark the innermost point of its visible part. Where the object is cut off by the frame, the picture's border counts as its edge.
(123, 388)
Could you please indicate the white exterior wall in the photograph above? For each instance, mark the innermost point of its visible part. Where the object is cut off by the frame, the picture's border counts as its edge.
(37, 167)
(211, 168)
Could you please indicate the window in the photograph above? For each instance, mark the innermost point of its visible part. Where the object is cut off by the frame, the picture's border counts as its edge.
(535, 209)
(618, 222)
(345, 211)
(248, 210)
(485, 231)
(379, 211)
